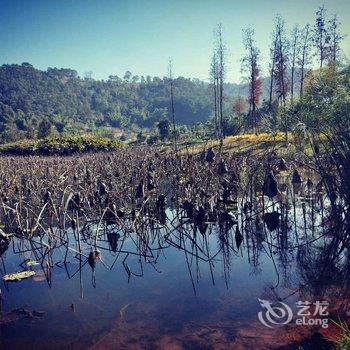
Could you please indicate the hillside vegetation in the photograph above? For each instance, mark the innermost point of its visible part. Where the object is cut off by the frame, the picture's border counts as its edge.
(33, 102)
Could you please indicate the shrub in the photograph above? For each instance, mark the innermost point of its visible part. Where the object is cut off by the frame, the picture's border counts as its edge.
(64, 145)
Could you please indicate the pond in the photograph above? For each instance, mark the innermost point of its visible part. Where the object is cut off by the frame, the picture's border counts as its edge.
(178, 285)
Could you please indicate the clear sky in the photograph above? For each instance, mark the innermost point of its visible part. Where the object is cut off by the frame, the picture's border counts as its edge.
(113, 36)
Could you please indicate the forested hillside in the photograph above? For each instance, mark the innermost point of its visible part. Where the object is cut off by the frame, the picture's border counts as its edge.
(33, 101)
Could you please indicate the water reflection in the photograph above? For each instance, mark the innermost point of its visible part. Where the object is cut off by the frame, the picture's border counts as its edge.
(183, 277)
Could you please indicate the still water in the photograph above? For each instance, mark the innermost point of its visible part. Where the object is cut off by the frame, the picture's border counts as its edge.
(174, 287)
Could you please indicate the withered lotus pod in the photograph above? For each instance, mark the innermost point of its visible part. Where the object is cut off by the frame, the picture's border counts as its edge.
(226, 194)
(238, 237)
(202, 156)
(270, 188)
(150, 182)
(227, 220)
(73, 224)
(210, 156)
(203, 228)
(201, 216)
(161, 202)
(222, 167)
(77, 199)
(47, 196)
(296, 178)
(102, 190)
(316, 148)
(272, 220)
(247, 207)
(140, 191)
(189, 208)
(113, 240)
(93, 256)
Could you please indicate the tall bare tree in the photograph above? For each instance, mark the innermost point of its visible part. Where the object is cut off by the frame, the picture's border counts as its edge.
(281, 60)
(171, 80)
(335, 37)
(250, 65)
(294, 47)
(214, 77)
(304, 57)
(220, 51)
(320, 35)
(273, 51)
(280, 71)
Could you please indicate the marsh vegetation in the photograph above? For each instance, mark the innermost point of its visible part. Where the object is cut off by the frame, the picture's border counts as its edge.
(218, 221)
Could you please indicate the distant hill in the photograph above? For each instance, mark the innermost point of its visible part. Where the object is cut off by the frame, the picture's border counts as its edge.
(31, 100)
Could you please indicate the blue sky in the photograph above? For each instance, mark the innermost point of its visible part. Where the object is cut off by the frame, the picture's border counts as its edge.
(110, 37)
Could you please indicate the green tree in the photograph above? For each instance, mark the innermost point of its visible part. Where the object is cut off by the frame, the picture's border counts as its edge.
(44, 129)
(163, 128)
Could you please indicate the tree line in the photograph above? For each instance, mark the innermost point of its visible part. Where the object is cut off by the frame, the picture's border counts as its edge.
(293, 56)
(35, 103)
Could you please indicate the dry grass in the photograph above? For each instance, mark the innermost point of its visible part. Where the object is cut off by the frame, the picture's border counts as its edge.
(246, 143)
(342, 340)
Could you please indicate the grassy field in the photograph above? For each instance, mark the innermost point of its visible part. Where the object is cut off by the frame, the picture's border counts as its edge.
(246, 143)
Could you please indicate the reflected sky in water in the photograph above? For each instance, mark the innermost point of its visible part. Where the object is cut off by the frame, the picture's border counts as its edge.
(161, 291)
